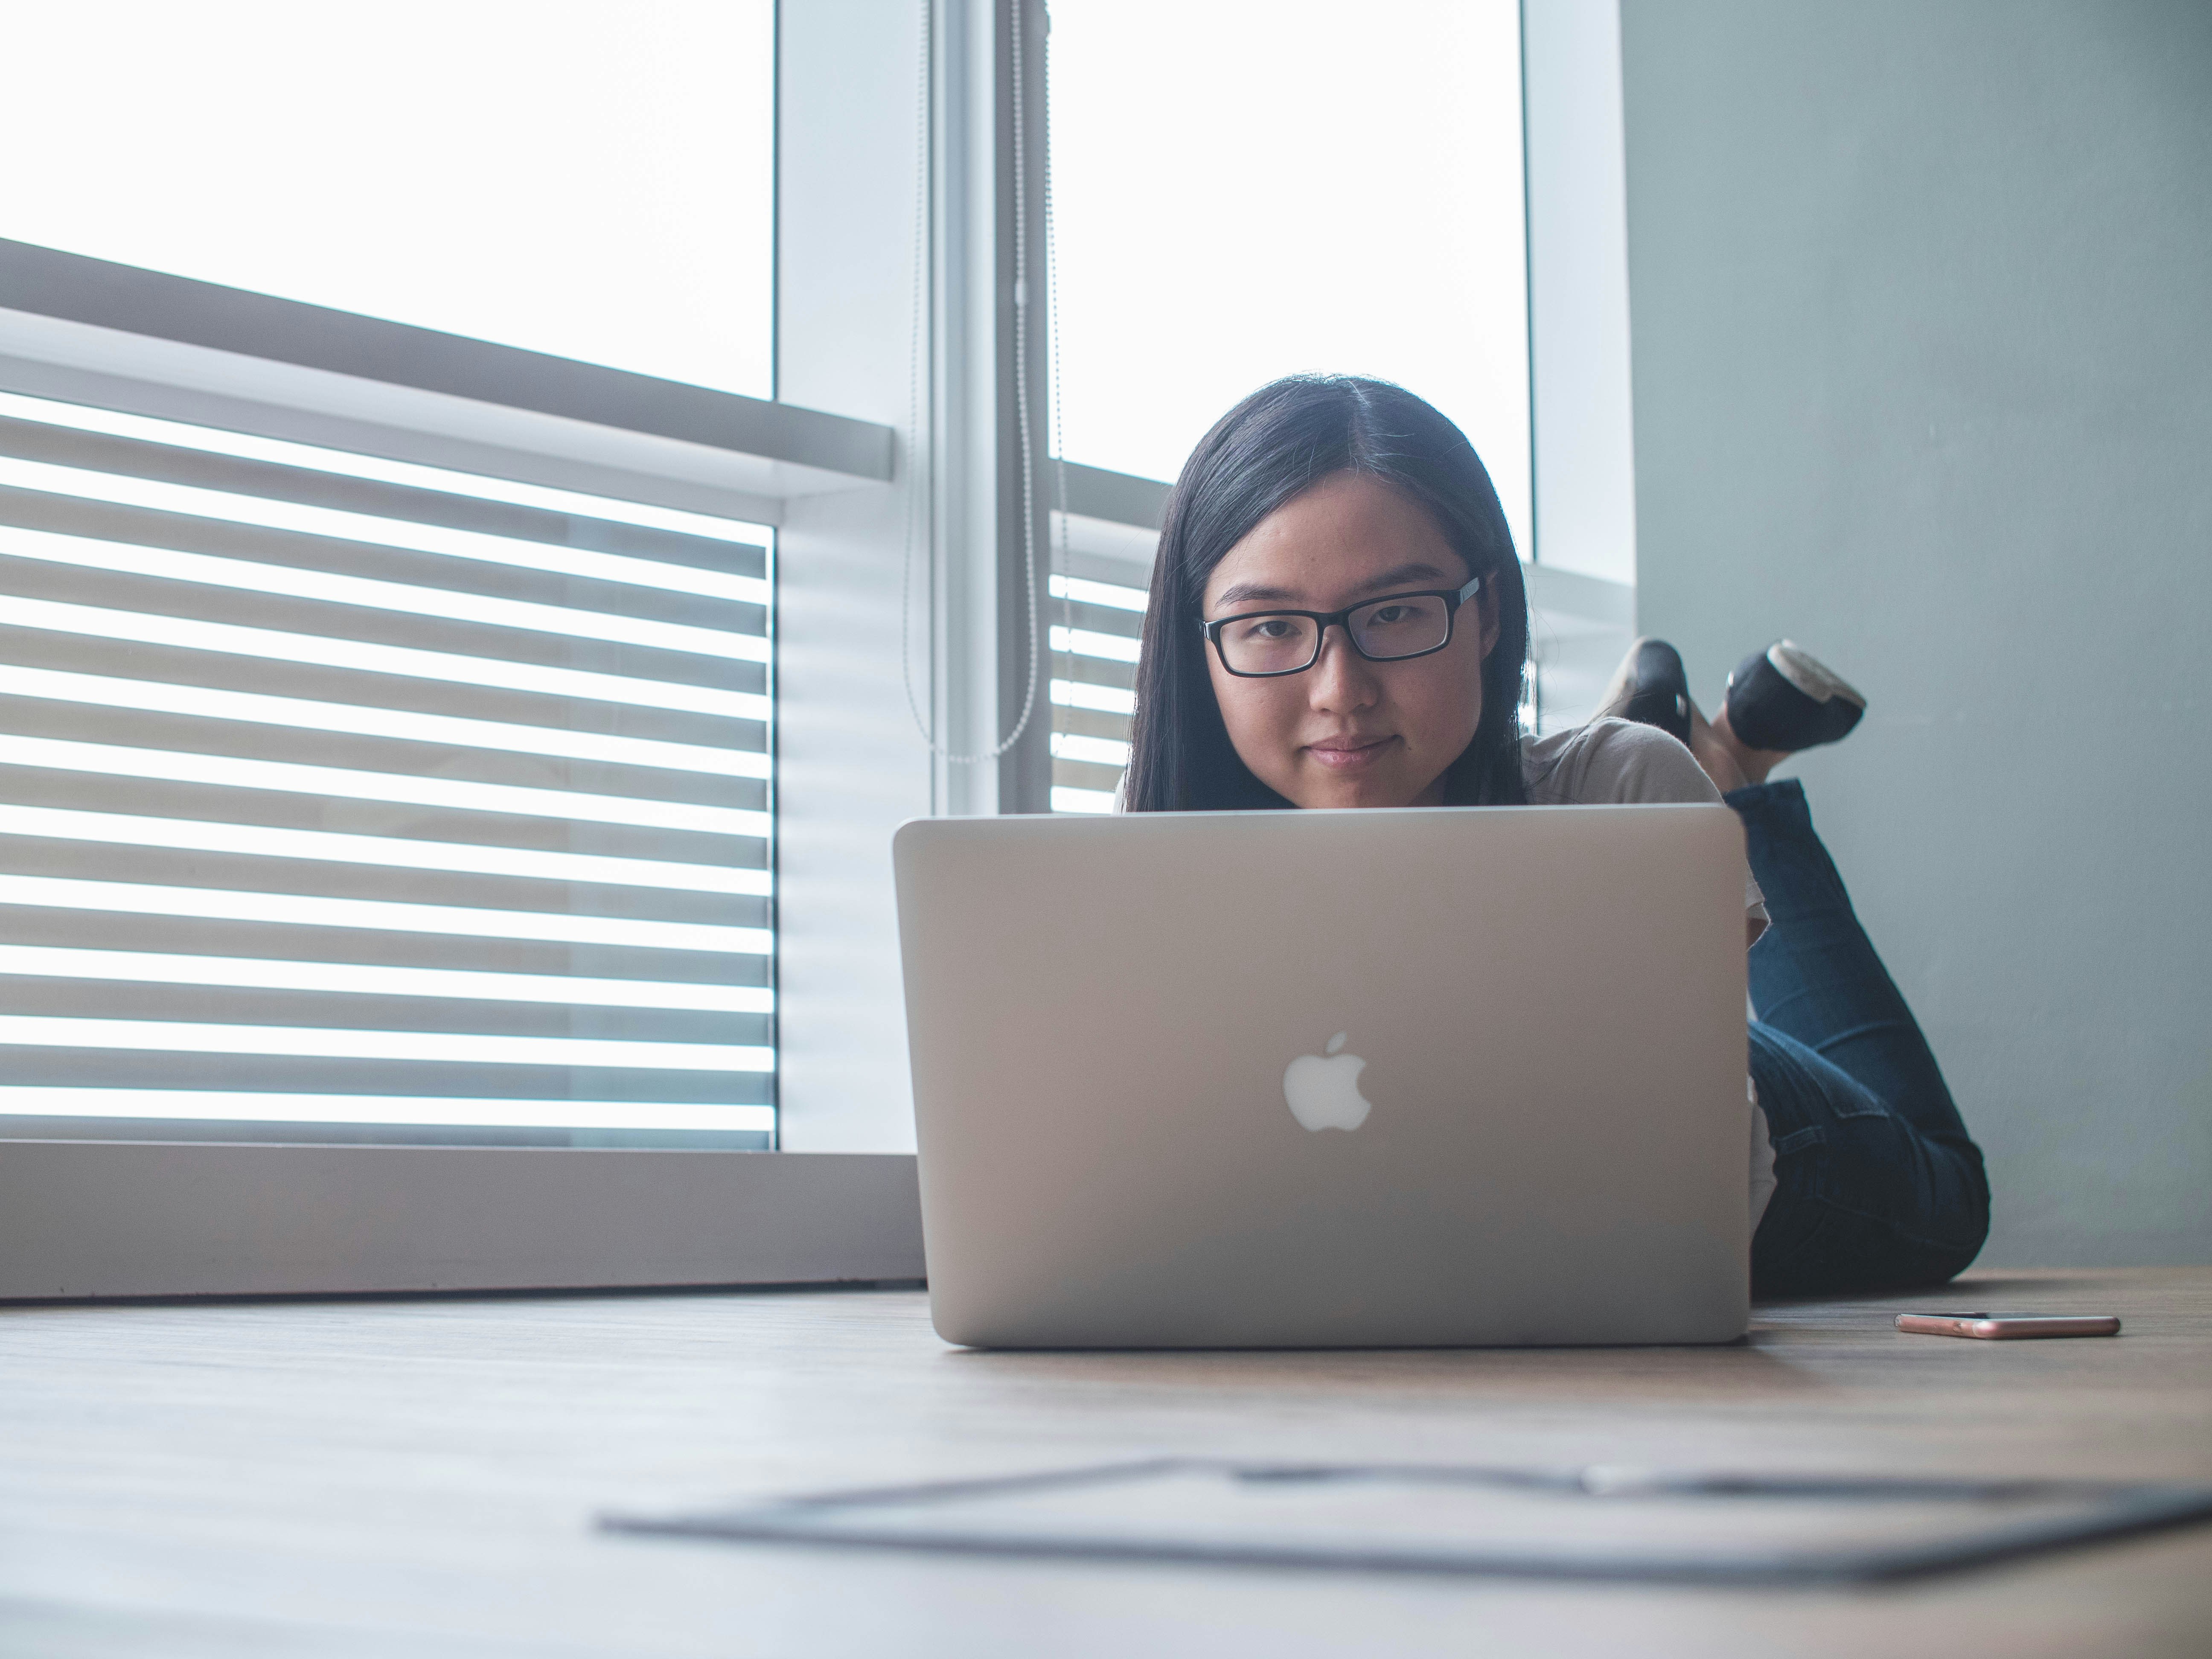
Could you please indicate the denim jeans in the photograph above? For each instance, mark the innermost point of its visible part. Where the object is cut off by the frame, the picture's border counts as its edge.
(1879, 1186)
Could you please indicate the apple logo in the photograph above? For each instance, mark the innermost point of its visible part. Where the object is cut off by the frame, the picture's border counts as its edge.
(1324, 1094)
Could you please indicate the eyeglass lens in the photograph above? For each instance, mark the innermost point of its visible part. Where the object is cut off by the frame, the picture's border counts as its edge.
(1282, 644)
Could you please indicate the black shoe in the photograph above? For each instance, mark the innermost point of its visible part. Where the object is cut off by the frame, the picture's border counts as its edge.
(1650, 687)
(1783, 698)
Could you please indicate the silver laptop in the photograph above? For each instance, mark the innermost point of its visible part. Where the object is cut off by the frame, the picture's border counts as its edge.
(1426, 1078)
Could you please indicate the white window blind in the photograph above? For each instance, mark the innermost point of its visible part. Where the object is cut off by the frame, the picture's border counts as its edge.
(341, 795)
(1094, 643)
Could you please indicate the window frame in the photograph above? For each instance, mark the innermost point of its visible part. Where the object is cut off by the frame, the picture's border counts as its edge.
(96, 1218)
(1581, 448)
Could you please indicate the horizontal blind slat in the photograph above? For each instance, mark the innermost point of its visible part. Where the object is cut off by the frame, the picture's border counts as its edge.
(252, 743)
(501, 891)
(179, 765)
(62, 529)
(1100, 619)
(1098, 699)
(231, 809)
(78, 842)
(196, 611)
(126, 930)
(1084, 642)
(385, 916)
(1076, 775)
(28, 609)
(301, 715)
(110, 453)
(315, 682)
(146, 1109)
(269, 1003)
(105, 1067)
(360, 981)
(567, 618)
(1090, 751)
(1111, 596)
(1090, 723)
(106, 499)
(472, 1047)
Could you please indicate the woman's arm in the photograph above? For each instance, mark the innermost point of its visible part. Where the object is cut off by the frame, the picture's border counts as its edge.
(1622, 761)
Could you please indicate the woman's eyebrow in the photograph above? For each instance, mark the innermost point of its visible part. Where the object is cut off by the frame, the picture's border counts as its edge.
(1420, 570)
(1246, 592)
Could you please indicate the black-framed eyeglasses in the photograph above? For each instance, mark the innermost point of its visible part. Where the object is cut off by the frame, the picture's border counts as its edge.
(1262, 644)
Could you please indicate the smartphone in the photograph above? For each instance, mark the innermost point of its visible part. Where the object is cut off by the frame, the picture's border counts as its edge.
(1997, 1327)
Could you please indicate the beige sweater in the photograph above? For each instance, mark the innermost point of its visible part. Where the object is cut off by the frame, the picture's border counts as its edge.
(1609, 761)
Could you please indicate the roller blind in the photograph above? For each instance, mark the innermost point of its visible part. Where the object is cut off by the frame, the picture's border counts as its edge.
(335, 791)
(1095, 669)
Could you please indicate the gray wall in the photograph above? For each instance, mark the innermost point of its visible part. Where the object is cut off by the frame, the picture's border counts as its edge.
(1921, 298)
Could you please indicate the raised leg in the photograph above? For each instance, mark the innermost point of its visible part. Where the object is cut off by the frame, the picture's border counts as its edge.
(1879, 1182)
(1815, 975)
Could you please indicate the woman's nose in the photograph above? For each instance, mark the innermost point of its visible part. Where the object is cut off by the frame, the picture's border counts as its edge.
(1341, 679)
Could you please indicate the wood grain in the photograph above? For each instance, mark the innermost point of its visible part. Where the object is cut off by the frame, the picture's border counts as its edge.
(419, 1477)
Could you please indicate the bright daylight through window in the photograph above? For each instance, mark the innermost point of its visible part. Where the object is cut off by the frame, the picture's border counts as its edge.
(592, 180)
(1245, 189)
(367, 798)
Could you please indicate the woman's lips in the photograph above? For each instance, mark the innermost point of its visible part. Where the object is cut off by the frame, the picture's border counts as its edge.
(1350, 754)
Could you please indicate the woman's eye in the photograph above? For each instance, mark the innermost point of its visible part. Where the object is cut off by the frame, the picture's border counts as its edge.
(1392, 614)
(1268, 628)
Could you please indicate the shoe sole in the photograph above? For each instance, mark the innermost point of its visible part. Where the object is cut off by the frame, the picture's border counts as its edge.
(1810, 675)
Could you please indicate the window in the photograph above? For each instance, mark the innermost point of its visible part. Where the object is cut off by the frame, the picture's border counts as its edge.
(344, 795)
(1254, 188)
(351, 797)
(288, 635)
(334, 470)
(1248, 189)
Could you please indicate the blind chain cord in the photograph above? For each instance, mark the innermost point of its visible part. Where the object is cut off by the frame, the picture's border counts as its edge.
(919, 505)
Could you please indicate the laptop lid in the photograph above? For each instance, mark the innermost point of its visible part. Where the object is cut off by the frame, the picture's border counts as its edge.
(1435, 1076)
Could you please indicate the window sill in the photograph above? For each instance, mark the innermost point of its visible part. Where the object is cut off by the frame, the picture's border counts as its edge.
(92, 1220)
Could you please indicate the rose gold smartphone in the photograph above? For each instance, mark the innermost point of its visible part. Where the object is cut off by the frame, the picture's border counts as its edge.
(1998, 1327)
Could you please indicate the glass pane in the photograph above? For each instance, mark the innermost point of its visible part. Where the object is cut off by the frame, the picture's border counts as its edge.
(590, 180)
(1250, 188)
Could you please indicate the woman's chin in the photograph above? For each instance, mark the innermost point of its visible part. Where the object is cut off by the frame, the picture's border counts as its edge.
(1329, 791)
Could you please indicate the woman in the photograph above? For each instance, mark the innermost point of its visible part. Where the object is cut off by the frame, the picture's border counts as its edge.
(1338, 620)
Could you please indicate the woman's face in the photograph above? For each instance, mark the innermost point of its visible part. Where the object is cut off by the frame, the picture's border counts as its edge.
(1347, 732)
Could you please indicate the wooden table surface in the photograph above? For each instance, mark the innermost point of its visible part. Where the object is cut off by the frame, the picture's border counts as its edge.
(419, 1477)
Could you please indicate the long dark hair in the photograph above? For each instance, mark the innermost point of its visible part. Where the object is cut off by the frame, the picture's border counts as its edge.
(1282, 440)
